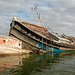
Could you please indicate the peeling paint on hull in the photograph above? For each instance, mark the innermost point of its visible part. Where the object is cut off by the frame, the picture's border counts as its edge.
(10, 45)
(6, 50)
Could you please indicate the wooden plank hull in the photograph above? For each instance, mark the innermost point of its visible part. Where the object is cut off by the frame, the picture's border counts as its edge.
(32, 40)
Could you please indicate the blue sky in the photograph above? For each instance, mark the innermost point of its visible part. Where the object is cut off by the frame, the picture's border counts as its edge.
(59, 15)
(23, 14)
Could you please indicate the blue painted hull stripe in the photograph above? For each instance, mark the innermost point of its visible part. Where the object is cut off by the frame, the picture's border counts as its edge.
(50, 48)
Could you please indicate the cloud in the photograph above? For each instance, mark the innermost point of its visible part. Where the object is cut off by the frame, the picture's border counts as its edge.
(59, 15)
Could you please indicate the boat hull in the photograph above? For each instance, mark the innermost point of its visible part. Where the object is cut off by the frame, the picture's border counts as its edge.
(35, 41)
(32, 44)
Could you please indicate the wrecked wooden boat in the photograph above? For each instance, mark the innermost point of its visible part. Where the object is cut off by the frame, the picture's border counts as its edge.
(38, 38)
(10, 45)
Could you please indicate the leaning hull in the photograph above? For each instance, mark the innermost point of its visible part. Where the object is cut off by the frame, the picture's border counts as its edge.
(27, 43)
(36, 40)
(32, 44)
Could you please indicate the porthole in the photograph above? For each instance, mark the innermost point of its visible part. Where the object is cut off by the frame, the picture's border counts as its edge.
(19, 44)
(4, 41)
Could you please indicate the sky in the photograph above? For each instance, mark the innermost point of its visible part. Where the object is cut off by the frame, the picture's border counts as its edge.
(59, 15)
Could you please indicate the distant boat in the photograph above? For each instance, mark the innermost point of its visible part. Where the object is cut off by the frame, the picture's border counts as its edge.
(38, 38)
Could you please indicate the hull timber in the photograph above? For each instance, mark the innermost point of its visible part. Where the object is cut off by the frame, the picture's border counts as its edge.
(36, 38)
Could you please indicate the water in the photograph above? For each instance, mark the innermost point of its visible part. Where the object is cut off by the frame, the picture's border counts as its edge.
(38, 64)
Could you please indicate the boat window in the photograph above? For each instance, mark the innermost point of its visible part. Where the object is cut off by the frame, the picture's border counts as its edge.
(19, 44)
(3, 41)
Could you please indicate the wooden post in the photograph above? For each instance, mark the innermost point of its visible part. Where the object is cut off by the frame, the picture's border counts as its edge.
(42, 42)
(52, 56)
(46, 44)
(49, 46)
(52, 48)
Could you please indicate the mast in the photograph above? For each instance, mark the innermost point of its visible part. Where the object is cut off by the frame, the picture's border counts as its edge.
(35, 8)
